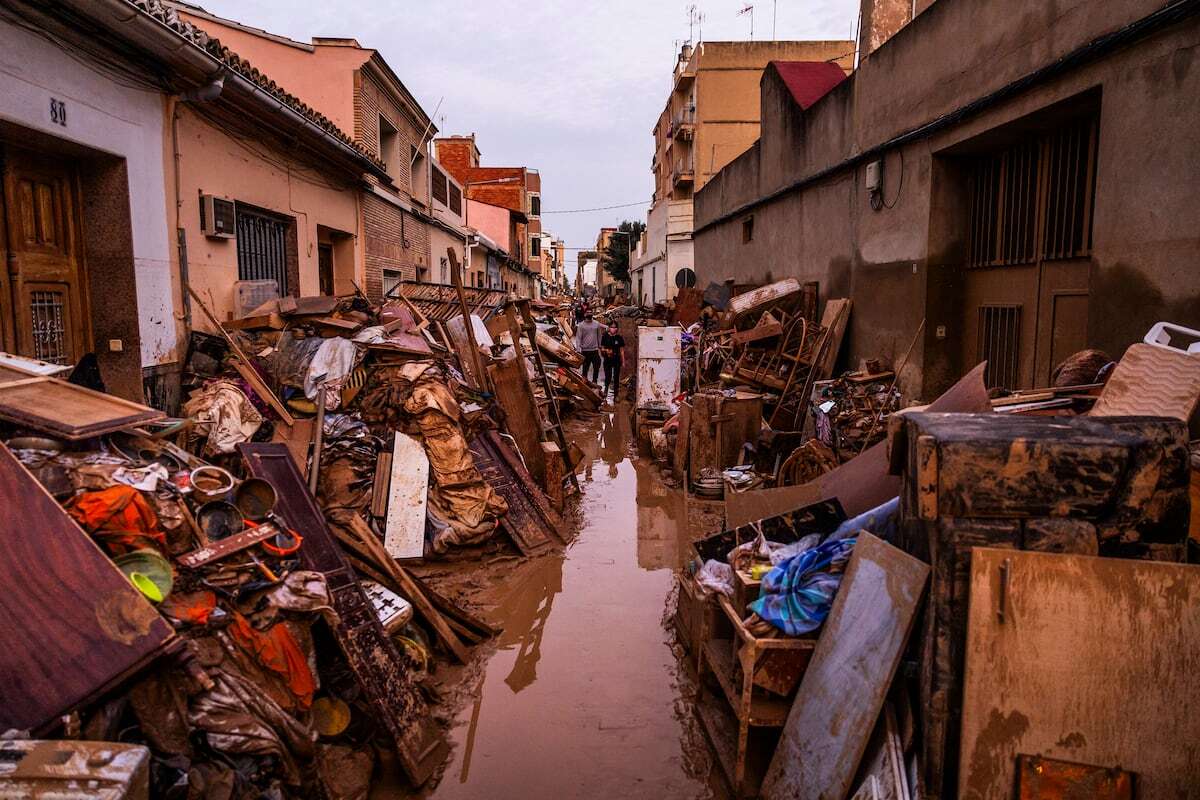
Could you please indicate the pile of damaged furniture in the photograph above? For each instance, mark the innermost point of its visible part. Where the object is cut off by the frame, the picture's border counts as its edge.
(224, 604)
(993, 598)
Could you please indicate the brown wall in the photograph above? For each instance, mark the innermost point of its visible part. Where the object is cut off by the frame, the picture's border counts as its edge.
(901, 264)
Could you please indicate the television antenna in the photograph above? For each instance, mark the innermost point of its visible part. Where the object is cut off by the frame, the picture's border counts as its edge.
(695, 22)
(748, 10)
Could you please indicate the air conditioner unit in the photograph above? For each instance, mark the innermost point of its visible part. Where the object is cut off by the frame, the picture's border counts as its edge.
(217, 219)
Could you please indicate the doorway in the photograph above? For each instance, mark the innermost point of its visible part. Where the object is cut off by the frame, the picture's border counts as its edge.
(43, 289)
(1028, 252)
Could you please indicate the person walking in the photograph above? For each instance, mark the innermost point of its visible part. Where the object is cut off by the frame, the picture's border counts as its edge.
(587, 341)
(612, 350)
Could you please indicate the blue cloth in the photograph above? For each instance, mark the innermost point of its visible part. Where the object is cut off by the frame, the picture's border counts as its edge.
(882, 520)
(797, 594)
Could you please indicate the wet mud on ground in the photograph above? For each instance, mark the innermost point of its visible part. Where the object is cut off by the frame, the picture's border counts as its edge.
(585, 694)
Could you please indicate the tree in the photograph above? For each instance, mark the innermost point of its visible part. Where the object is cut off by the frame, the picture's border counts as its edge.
(615, 258)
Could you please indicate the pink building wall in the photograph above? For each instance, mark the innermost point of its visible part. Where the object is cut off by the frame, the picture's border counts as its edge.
(491, 221)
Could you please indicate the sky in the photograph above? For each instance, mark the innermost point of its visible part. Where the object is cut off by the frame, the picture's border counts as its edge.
(571, 89)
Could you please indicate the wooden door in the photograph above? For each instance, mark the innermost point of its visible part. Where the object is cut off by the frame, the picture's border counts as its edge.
(325, 268)
(44, 277)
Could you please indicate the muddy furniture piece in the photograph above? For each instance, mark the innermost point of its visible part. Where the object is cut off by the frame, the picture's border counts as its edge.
(718, 426)
(67, 769)
(74, 627)
(64, 410)
(1114, 486)
(383, 675)
(738, 665)
(1085, 660)
(532, 524)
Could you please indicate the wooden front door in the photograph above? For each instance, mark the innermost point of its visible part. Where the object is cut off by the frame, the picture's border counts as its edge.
(1029, 246)
(44, 293)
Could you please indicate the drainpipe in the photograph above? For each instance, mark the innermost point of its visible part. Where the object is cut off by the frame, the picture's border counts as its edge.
(203, 94)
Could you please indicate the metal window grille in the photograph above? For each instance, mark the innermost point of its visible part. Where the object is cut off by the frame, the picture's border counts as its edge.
(1000, 344)
(1033, 200)
(49, 326)
(262, 248)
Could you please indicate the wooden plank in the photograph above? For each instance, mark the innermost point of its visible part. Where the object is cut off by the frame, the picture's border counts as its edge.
(843, 689)
(379, 485)
(756, 333)
(74, 627)
(521, 418)
(67, 411)
(408, 491)
(555, 469)
(834, 320)
(382, 675)
(1093, 660)
(243, 367)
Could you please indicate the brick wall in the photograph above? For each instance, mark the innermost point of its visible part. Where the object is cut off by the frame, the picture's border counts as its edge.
(371, 102)
(394, 240)
(457, 156)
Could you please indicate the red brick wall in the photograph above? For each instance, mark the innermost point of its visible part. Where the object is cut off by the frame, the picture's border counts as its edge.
(394, 240)
(457, 156)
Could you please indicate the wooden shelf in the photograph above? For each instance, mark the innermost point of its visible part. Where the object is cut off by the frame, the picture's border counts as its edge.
(721, 729)
(764, 712)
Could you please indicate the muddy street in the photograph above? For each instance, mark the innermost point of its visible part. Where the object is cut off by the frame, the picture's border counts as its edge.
(583, 694)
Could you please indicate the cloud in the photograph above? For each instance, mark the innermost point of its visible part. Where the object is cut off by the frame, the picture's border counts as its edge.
(570, 88)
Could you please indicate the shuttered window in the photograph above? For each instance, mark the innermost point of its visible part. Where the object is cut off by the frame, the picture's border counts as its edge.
(439, 186)
(455, 199)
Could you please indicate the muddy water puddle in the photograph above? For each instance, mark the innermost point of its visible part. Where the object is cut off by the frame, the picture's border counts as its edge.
(584, 695)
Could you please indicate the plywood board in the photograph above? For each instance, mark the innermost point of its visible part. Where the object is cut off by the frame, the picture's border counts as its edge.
(73, 626)
(64, 410)
(834, 320)
(521, 415)
(408, 491)
(1083, 659)
(843, 690)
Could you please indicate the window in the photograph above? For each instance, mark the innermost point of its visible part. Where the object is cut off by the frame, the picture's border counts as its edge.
(419, 177)
(389, 148)
(455, 200)
(391, 281)
(535, 247)
(439, 186)
(747, 230)
(535, 205)
(1033, 201)
(1000, 344)
(262, 247)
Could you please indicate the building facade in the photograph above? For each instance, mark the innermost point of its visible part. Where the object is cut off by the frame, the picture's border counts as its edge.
(711, 116)
(356, 89)
(1014, 210)
(145, 188)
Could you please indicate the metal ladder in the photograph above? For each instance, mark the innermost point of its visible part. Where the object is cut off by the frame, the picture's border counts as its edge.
(552, 421)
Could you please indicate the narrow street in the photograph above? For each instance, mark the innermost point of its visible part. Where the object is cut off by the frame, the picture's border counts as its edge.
(584, 694)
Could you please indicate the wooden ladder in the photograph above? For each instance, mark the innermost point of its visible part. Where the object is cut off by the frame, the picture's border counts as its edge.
(552, 429)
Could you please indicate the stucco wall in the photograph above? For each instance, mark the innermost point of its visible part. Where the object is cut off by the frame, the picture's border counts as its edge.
(491, 221)
(213, 162)
(1146, 233)
(121, 121)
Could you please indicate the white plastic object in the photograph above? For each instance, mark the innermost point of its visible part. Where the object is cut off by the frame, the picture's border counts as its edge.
(249, 295)
(1168, 334)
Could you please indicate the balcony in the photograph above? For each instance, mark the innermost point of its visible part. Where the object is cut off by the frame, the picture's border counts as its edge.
(683, 125)
(683, 172)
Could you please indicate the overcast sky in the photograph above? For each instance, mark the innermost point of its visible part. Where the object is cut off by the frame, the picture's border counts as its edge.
(569, 88)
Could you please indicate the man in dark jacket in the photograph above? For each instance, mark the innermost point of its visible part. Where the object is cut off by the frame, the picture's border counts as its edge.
(612, 349)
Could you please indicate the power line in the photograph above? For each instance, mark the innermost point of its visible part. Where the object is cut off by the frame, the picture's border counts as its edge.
(598, 208)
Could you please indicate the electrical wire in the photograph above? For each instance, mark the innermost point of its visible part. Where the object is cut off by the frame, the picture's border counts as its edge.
(598, 208)
(877, 201)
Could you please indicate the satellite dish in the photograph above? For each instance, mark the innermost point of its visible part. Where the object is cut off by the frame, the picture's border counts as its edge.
(685, 278)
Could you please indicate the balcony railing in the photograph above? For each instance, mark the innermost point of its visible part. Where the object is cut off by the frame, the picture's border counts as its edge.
(684, 171)
(683, 124)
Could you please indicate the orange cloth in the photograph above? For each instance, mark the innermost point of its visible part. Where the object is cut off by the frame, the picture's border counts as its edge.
(193, 608)
(120, 518)
(276, 649)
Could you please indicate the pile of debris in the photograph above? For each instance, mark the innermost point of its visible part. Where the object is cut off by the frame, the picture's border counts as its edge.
(996, 565)
(254, 548)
